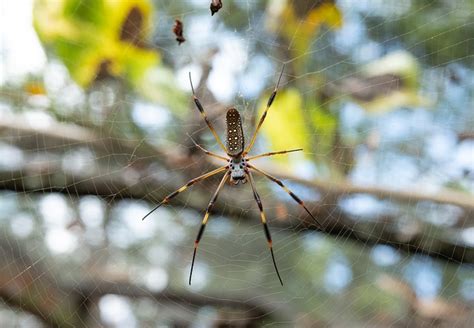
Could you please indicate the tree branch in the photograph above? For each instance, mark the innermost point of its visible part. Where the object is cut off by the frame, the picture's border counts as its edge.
(27, 284)
(343, 188)
(334, 221)
(59, 135)
(466, 135)
(153, 187)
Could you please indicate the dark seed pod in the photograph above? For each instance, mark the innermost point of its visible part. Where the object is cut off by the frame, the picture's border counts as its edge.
(215, 6)
(178, 31)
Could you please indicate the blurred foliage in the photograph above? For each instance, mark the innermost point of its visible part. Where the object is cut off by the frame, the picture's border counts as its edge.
(100, 40)
(327, 279)
(97, 39)
(387, 84)
(437, 31)
(303, 21)
(345, 62)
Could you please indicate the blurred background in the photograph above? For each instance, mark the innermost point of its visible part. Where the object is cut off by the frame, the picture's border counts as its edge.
(96, 121)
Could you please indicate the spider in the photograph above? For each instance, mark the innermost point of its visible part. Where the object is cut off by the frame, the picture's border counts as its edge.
(237, 169)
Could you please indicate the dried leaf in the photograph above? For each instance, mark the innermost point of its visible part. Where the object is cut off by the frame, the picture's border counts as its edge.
(216, 5)
(178, 31)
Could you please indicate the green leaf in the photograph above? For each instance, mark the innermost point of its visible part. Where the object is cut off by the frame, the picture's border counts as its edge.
(325, 125)
(91, 11)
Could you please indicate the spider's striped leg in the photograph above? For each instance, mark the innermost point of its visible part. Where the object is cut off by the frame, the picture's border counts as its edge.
(204, 116)
(264, 222)
(186, 186)
(278, 182)
(207, 152)
(274, 153)
(204, 221)
(269, 103)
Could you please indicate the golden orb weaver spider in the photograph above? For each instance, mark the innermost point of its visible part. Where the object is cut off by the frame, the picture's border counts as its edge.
(238, 168)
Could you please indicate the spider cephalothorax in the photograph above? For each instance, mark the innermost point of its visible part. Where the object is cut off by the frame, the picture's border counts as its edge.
(237, 168)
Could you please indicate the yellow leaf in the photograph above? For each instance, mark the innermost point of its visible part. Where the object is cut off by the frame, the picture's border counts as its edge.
(285, 126)
(301, 27)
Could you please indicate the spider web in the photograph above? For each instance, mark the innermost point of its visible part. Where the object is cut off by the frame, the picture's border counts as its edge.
(93, 253)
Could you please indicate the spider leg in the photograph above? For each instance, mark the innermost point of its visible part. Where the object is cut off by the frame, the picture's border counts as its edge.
(278, 182)
(264, 222)
(204, 116)
(186, 186)
(204, 221)
(269, 103)
(273, 153)
(207, 152)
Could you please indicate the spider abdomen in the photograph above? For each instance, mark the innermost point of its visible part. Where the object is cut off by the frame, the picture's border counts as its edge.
(235, 135)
